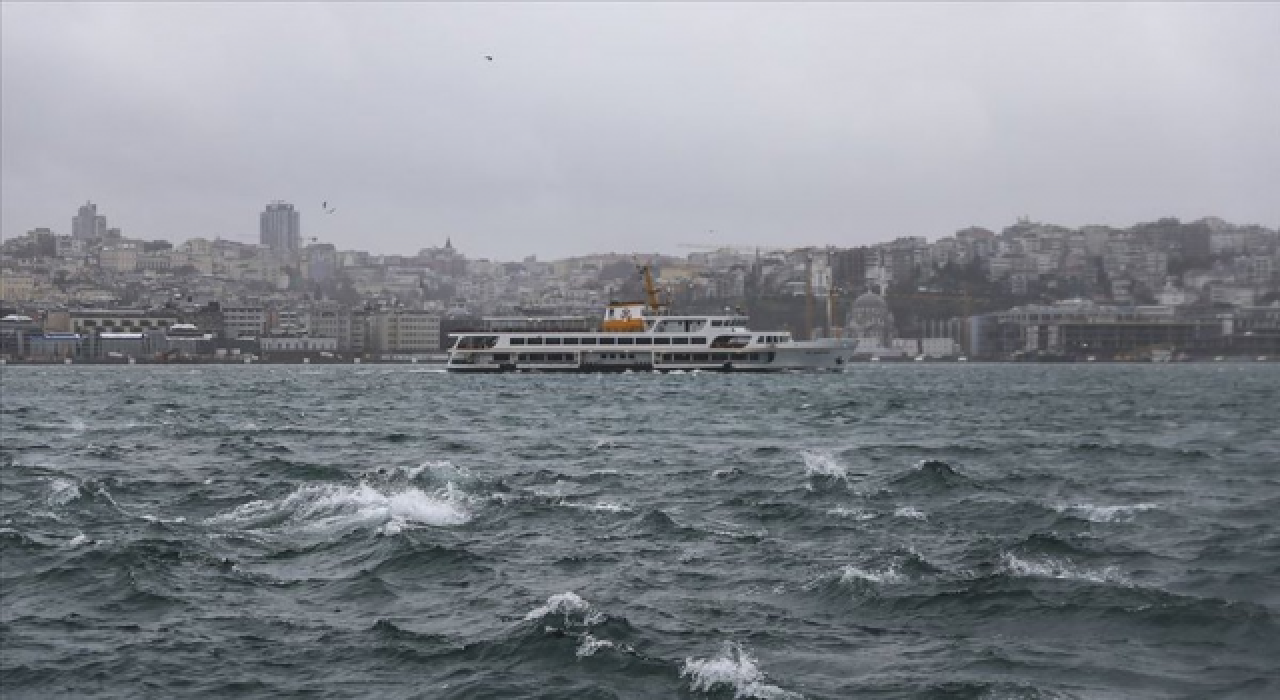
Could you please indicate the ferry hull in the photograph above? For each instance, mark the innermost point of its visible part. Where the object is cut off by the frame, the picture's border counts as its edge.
(799, 357)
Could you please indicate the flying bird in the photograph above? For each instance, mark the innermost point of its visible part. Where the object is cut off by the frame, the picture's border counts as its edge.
(487, 57)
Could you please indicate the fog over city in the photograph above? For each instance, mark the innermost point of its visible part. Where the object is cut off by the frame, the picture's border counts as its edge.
(569, 129)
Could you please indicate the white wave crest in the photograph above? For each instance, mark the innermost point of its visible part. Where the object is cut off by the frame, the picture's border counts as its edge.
(1105, 514)
(888, 575)
(79, 539)
(157, 519)
(438, 470)
(600, 507)
(62, 492)
(560, 604)
(734, 669)
(590, 645)
(910, 512)
(334, 507)
(1059, 569)
(853, 513)
(823, 464)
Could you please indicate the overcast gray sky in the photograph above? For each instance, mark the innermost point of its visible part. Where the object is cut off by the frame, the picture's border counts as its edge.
(636, 127)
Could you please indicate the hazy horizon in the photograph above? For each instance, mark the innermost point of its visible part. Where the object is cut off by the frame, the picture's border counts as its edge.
(635, 127)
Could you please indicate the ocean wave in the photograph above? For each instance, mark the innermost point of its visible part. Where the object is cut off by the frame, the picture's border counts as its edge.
(338, 507)
(606, 443)
(599, 507)
(589, 645)
(853, 513)
(1049, 567)
(736, 670)
(910, 512)
(887, 575)
(564, 604)
(931, 475)
(62, 491)
(823, 464)
(1104, 514)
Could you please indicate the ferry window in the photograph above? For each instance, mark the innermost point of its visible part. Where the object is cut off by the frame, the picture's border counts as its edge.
(536, 357)
(699, 341)
(661, 341)
(534, 341)
(606, 341)
(517, 341)
(501, 357)
(682, 358)
(719, 357)
(553, 341)
(570, 341)
(762, 339)
(522, 357)
(680, 341)
(588, 341)
(644, 341)
(626, 341)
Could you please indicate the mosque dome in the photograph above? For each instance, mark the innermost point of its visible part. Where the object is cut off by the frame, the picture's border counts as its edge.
(870, 320)
(870, 302)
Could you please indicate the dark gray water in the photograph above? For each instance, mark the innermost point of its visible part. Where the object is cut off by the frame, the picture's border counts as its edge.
(893, 532)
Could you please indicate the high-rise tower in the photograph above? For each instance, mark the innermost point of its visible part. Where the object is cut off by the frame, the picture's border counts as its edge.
(87, 223)
(280, 227)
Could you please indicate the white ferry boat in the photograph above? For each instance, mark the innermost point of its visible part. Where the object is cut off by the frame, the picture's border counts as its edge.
(639, 337)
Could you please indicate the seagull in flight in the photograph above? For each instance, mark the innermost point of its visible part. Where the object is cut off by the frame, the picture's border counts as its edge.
(488, 57)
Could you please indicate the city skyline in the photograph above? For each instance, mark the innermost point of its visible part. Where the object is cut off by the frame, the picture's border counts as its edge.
(630, 127)
(279, 221)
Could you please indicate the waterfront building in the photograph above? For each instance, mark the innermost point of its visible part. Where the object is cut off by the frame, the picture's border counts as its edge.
(123, 345)
(54, 346)
(16, 330)
(87, 321)
(243, 321)
(1079, 329)
(330, 321)
(297, 344)
(404, 332)
(187, 340)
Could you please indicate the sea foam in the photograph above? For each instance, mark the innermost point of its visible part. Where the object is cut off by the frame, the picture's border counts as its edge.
(888, 575)
(735, 670)
(590, 645)
(335, 507)
(1105, 514)
(910, 512)
(823, 464)
(561, 604)
(62, 492)
(1059, 569)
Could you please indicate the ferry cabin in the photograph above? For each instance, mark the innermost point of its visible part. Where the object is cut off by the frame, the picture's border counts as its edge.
(628, 341)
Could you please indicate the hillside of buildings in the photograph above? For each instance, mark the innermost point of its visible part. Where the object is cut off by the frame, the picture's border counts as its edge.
(96, 292)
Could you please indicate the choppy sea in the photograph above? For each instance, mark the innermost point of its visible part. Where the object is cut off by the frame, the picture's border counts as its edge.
(979, 531)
